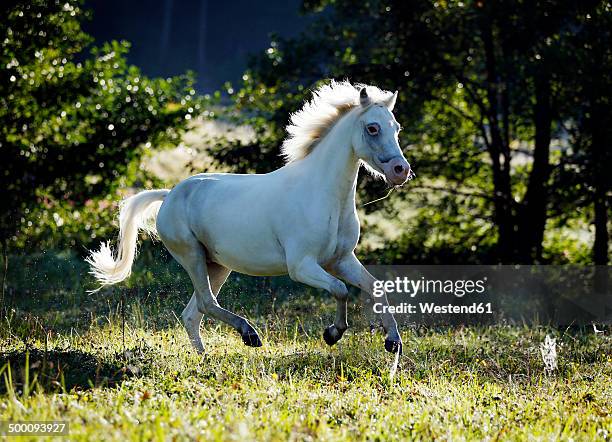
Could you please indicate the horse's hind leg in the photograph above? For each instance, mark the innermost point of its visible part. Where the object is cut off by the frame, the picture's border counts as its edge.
(191, 320)
(192, 257)
(191, 315)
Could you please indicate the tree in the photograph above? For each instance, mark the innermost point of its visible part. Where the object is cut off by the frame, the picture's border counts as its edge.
(586, 75)
(481, 87)
(71, 124)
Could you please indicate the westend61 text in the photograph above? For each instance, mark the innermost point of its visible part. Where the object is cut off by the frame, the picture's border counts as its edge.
(429, 308)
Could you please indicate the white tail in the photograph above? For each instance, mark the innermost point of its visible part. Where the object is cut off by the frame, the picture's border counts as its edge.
(137, 212)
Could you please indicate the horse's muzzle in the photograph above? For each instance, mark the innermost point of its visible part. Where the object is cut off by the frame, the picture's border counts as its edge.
(397, 171)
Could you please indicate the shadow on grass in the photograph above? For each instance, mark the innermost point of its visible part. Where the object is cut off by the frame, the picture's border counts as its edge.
(59, 371)
(48, 292)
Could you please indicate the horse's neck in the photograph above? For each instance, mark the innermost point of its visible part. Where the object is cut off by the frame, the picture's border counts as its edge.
(333, 166)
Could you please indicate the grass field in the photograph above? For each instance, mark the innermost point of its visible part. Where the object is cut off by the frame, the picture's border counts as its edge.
(118, 366)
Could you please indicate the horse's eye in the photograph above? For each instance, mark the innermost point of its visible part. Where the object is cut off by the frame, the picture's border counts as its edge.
(373, 129)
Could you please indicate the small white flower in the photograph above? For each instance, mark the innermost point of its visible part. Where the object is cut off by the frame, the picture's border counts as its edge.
(548, 349)
(59, 221)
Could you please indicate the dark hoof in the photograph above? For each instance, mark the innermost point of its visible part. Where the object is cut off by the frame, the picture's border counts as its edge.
(332, 335)
(251, 339)
(393, 346)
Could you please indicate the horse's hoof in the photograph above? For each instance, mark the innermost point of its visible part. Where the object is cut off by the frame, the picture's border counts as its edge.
(331, 335)
(393, 346)
(251, 339)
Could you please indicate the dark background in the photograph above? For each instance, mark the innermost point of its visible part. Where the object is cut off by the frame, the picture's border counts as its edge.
(212, 38)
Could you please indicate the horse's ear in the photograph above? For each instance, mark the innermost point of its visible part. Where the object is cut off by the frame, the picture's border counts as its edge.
(391, 101)
(364, 99)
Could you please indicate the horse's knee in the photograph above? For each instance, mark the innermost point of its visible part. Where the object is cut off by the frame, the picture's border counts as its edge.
(202, 308)
(206, 304)
(338, 290)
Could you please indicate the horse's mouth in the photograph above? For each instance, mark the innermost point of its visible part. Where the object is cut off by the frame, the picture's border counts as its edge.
(399, 183)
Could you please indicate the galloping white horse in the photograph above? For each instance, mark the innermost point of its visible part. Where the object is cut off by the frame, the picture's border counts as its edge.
(300, 219)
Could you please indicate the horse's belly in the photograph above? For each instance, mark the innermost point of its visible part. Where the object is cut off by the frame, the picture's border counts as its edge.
(256, 268)
(244, 245)
(265, 262)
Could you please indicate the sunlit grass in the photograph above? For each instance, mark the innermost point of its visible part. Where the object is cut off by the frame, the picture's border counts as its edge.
(117, 365)
(129, 380)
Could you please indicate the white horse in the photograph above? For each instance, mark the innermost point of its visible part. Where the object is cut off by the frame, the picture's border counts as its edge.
(299, 220)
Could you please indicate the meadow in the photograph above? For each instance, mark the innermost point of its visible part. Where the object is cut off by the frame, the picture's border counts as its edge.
(506, 124)
(117, 365)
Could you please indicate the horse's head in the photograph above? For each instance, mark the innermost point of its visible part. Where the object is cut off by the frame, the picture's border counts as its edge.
(375, 139)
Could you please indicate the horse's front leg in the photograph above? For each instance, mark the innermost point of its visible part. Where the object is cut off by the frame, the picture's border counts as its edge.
(308, 271)
(353, 272)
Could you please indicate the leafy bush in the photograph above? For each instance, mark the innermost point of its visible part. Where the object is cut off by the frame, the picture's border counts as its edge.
(73, 125)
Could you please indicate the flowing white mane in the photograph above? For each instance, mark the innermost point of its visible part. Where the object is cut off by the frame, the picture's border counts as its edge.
(328, 104)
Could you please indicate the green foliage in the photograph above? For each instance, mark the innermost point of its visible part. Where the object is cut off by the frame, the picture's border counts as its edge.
(478, 85)
(484, 92)
(72, 125)
(266, 109)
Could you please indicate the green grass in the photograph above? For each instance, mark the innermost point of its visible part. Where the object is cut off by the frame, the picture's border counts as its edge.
(128, 373)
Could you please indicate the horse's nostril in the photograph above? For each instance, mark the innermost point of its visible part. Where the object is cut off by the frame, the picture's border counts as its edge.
(399, 168)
